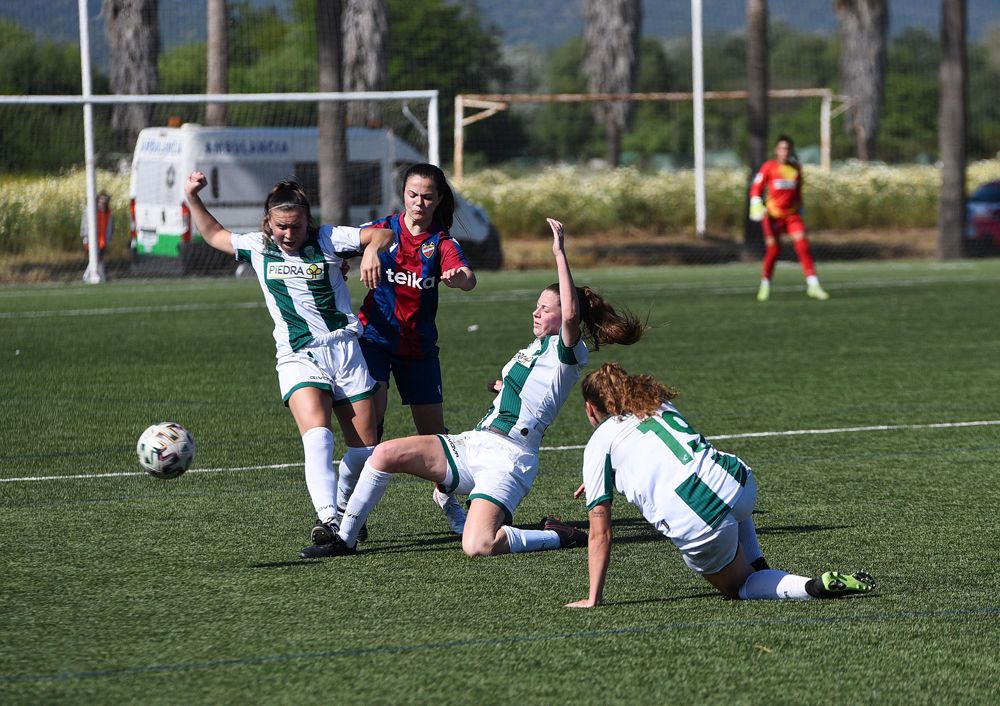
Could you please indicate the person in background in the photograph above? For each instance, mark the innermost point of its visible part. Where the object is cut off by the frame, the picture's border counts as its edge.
(105, 224)
(400, 335)
(700, 498)
(776, 201)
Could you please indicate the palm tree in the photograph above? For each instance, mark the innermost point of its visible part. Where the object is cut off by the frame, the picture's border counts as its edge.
(332, 151)
(864, 29)
(611, 61)
(757, 108)
(951, 129)
(218, 60)
(366, 56)
(133, 35)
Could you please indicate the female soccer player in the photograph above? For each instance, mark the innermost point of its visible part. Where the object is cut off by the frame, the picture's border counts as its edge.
(321, 370)
(496, 464)
(696, 496)
(780, 211)
(400, 335)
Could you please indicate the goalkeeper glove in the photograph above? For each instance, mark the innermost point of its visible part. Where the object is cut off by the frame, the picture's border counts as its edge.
(757, 209)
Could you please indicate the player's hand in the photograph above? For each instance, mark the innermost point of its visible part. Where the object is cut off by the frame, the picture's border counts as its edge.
(580, 491)
(585, 603)
(454, 277)
(196, 181)
(757, 209)
(371, 268)
(558, 235)
(494, 385)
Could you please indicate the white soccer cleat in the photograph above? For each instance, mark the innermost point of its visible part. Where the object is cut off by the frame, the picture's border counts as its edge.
(452, 509)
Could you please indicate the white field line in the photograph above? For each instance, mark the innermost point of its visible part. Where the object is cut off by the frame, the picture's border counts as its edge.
(510, 295)
(746, 435)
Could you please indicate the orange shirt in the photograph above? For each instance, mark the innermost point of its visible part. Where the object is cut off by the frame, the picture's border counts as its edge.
(783, 183)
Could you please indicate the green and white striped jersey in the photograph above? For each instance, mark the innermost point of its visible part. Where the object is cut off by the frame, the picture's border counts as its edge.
(305, 293)
(536, 383)
(666, 469)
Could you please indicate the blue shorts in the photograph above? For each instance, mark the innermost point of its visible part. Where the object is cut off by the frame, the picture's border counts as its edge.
(417, 379)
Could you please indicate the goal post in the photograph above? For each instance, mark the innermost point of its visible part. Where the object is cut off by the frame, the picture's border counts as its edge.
(489, 104)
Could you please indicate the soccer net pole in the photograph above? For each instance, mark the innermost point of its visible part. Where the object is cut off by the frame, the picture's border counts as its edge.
(94, 273)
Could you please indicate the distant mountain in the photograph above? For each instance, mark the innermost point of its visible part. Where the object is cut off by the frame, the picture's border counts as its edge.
(546, 23)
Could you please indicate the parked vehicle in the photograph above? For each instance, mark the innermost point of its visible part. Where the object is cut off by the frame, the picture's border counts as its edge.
(982, 215)
(242, 164)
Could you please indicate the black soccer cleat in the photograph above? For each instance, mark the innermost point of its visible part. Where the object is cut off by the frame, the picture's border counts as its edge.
(335, 547)
(569, 537)
(324, 532)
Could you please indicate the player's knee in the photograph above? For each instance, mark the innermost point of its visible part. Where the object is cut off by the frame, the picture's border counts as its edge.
(477, 545)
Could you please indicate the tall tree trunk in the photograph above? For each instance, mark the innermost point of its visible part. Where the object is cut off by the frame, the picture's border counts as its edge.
(218, 61)
(864, 30)
(757, 112)
(133, 35)
(611, 61)
(332, 152)
(366, 56)
(951, 129)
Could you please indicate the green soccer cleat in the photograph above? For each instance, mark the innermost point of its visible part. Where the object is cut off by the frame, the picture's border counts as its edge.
(834, 584)
(764, 291)
(814, 291)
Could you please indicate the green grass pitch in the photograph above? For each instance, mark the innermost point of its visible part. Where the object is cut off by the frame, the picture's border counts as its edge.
(872, 422)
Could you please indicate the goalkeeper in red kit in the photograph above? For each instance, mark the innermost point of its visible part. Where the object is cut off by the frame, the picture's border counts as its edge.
(776, 199)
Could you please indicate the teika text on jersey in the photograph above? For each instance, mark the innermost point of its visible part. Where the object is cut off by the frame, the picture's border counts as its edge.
(410, 279)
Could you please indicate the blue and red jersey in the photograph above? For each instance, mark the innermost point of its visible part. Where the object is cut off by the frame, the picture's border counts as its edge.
(398, 315)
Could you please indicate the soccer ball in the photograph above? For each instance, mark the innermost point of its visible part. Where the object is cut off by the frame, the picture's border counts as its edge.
(165, 450)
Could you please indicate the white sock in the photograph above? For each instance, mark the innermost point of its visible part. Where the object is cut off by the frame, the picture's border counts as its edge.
(812, 279)
(321, 478)
(748, 540)
(350, 470)
(369, 490)
(773, 584)
(530, 540)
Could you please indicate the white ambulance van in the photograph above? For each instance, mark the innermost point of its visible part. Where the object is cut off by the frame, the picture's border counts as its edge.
(242, 164)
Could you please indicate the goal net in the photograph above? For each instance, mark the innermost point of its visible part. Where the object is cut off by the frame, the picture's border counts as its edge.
(143, 149)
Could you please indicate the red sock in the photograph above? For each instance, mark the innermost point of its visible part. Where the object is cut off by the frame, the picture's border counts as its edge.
(771, 253)
(805, 257)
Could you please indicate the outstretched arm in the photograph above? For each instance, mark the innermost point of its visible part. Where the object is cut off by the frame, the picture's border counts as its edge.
(211, 230)
(459, 278)
(598, 554)
(570, 331)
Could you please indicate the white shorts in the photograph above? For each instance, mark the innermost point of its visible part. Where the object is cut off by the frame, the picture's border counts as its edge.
(712, 552)
(335, 365)
(489, 466)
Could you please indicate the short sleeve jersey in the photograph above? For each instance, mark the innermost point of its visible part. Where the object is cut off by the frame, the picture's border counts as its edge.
(398, 315)
(305, 293)
(783, 183)
(536, 383)
(666, 469)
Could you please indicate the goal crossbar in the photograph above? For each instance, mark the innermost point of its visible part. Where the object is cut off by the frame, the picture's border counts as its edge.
(489, 104)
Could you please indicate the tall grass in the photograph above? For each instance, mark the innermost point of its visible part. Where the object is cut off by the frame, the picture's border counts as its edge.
(39, 215)
(851, 196)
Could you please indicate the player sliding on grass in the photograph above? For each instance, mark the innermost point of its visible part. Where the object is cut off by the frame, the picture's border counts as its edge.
(496, 464)
(698, 497)
(320, 367)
